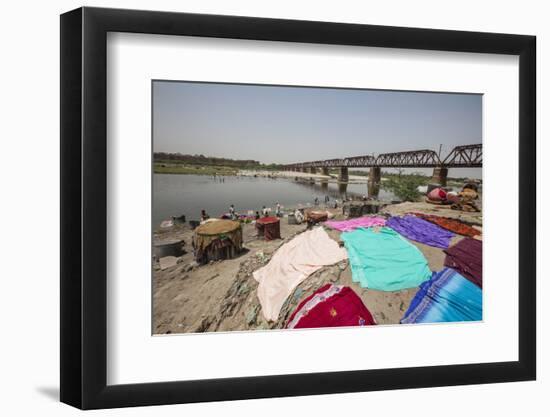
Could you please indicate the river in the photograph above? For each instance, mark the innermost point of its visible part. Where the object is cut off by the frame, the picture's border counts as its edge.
(174, 195)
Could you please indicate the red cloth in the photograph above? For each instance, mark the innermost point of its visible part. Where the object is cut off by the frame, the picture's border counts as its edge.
(330, 306)
(267, 220)
(269, 227)
(466, 257)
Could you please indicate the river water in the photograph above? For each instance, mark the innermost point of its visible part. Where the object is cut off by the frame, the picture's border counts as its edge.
(174, 195)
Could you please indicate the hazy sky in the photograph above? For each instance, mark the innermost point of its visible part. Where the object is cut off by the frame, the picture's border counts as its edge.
(295, 124)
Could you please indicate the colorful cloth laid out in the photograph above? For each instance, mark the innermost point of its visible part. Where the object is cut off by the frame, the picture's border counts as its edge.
(269, 227)
(480, 236)
(452, 196)
(467, 258)
(352, 224)
(215, 234)
(447, 296)
(382, 259)
(421, 230)
(452, 225)
(437, 194)
(166, 223)
(466, 199)
(314, 217)
(292, 263)
(330, 306)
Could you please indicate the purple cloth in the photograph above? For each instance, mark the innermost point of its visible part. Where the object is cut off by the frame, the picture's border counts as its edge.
(421, 231)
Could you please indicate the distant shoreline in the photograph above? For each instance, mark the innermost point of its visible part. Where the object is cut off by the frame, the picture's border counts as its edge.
(178, 169)
(223, 171)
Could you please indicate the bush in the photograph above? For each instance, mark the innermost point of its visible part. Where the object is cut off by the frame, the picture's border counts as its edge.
(405, 186)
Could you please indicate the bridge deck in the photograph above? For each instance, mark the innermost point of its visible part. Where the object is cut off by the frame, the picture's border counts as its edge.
(465, 156)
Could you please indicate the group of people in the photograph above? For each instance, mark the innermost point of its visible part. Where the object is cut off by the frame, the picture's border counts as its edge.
(234, 216)
(327, 200)
(265, 212)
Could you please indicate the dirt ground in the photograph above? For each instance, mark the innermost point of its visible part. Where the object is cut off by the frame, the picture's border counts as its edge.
(221, 295)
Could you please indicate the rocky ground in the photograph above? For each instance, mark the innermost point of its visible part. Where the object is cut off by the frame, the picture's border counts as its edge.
(221, 296)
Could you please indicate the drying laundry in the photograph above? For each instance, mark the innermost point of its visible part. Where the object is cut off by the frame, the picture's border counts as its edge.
(381, 259)
(452, 225)
(292, 263)
(466, 257)
(421, 230)
(352, 224)
(447, 296)
(331, 306)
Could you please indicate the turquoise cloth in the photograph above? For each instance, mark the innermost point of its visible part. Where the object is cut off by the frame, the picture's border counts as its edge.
(384, 260)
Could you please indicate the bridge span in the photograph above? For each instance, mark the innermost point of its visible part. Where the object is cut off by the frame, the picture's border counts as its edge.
(464, 156)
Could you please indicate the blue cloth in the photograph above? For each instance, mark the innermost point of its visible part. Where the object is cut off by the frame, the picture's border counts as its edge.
(446, 297)
(384, 260)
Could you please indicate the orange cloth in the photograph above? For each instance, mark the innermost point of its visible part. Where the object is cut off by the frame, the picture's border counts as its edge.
(453, 225)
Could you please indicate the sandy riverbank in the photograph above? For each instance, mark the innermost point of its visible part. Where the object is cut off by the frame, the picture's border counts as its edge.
(221, 296)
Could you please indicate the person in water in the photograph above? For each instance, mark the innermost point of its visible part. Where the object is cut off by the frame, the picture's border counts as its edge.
(257, 215)
(278, 210)
(232, 212)
(204, 216)
(265, 211)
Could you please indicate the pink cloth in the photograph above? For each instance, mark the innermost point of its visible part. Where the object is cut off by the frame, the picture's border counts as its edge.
(352, 224)
(291, 264)
(437, 194)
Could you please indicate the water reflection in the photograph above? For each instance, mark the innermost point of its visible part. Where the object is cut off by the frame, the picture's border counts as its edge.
(174, 195)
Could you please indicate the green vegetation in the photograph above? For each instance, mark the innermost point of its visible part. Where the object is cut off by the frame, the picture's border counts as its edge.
(359, 173)
(404, 186)
(163, 168)
(176, 163)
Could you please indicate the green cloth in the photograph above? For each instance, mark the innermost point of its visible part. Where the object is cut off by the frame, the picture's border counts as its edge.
(384, 260)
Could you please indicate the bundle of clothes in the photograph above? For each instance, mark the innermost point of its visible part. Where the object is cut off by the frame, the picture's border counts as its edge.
(465, 200)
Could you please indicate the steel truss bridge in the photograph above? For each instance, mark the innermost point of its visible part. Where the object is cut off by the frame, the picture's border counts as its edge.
(465, 156)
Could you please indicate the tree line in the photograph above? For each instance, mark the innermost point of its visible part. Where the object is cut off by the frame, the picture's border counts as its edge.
(211, 161)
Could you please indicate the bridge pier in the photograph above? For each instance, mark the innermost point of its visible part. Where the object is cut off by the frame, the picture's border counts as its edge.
(324, 171)
(373, 184)
(342, 189)
(440, 176)
(343, 175)
(313, 170)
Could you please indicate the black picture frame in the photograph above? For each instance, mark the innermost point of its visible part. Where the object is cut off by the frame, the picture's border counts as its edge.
(84, 207)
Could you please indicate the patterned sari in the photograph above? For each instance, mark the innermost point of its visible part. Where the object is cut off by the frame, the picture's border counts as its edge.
(446, 297)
